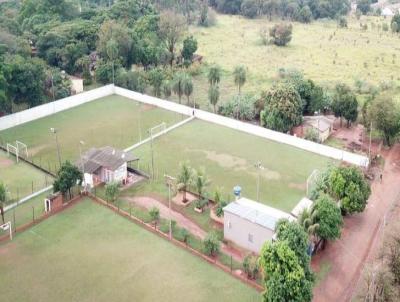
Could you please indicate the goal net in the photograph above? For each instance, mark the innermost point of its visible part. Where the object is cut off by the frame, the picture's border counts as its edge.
(158, 129)
(13, 150)
(6, 229)
(22, 147)
(312, 182)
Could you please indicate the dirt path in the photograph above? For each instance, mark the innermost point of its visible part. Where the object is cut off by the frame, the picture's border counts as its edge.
(360, 237)
(149, 202)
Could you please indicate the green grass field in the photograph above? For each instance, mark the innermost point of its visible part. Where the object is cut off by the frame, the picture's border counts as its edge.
(113, 120)
(228, 157)
(88, 253)
(325, 53)
(21, 179)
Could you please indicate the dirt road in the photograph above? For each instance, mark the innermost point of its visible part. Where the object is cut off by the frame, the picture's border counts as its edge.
(360, 236)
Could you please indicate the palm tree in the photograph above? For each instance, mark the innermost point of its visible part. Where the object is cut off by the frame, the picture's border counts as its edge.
(201, 181)
(188, 87)
(112, 53)
(213, 95)
(3, 197)
(178, 85)
(167, 88)
(239, 75)
(184, 179)
(214, 75)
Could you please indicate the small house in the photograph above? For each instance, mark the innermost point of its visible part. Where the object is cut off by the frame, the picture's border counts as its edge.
(105, 165)
(322, 125)
(250, 224)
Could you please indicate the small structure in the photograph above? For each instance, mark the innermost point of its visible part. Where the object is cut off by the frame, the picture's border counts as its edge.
(322, 124)
(76, 84)
(387, 12)
(105, 165)
(53, 202)
(303, 204)
(249, 224)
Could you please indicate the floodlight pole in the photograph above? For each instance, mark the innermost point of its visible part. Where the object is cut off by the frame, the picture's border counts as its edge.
(152, 154)
(169, 179)
(259, 167)
(54, 131)
(140, 121)
(81, 143)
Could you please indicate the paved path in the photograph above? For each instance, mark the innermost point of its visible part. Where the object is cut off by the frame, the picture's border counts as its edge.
(149, 202)
(360, 237)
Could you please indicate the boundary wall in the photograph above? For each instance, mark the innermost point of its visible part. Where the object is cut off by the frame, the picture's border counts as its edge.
(76, 100)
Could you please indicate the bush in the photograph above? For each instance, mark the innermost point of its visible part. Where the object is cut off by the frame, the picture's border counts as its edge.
(219, 209)
(201, 203)
(240, 106)
(312, 135)
(249, 8)
(304, 15)
(342, 22)
(211, 244)
(183, 235)
(251, 266)
(281, 34)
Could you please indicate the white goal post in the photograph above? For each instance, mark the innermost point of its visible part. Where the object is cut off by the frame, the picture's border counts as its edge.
(157, 129)
(11, 148)
(7, 227)
(21, 145)
(311, 180)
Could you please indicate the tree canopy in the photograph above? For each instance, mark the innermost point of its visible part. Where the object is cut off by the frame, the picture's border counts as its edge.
(344, 104)
(67, 177)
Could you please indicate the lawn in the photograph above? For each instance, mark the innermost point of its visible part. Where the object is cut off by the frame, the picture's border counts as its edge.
(113, 120)
(325, 53)
(21, 179)
(87, 253)
(228, 157)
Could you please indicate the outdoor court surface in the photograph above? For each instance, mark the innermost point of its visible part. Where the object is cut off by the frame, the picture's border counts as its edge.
(113, 120)
(88, 253)
(228, 157)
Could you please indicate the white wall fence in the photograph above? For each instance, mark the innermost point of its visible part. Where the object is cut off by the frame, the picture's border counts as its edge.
(34, 113)
(297, 142)
(25, 199)
(28, 115)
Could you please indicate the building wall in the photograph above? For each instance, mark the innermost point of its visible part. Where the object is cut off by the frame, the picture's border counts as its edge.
(76, 86)
(121, 173)
(237, 230)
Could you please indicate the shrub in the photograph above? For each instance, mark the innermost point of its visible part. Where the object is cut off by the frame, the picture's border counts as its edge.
(240, 106)
(342, 22)
(312, 135)
(183, 235)
(251, 266)
(281, 34)
(219, 209)
(201, 203)
(211, 244)
(249, 8)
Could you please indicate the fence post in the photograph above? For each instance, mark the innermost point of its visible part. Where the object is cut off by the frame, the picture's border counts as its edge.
(33, 213)
(32, 186)
(231, 264)
(130, 211)
(15, 227)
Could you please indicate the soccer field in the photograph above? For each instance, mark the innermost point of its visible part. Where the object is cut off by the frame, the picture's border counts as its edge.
(21, 179)
(228, 157)
(112, 120)
(87, 253)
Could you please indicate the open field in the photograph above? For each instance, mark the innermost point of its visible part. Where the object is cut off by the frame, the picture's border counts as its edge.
(75, 255)
(325, 53)
(21, 179)
(113, 120)
(228, 157)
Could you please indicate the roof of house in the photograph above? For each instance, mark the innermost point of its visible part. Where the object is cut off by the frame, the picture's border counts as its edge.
(319, 122)
(256, 212)
(303, 204)
(387, 12)
(107, 157)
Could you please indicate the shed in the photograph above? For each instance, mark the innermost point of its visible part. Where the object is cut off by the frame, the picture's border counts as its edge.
(322, 124)
(250, 224)
(303, 204)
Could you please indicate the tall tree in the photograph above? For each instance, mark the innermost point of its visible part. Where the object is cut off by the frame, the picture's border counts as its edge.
(213, 96)
(344, 104)
(184, 178)
(239, 76)
(112, 190)
(156, 77)
(189, 48)
(178, 85)
(188, 87)
(200, 181)
(112, 55)
(214, 74)
(284, 278)
(282, 108)
(67, 177)
(171, 29)
(384, 114)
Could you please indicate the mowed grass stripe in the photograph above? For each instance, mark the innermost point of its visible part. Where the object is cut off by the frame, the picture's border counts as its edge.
(88, 253)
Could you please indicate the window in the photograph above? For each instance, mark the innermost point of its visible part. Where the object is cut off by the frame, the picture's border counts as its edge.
(250, 238)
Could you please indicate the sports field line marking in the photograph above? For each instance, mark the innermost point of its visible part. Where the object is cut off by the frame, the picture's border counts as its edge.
(38, 235)
(165, 131)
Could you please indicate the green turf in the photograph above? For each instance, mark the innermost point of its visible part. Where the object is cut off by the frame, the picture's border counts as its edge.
(325, 53)
(113, 120)
(88, 253)
(21, 179)
(228, 156)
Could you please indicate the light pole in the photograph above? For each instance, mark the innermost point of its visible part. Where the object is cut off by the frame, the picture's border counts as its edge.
(152, 154)
(140, 121)
(54, 131)
(259, 167)
(169, 180)
(82, 143)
